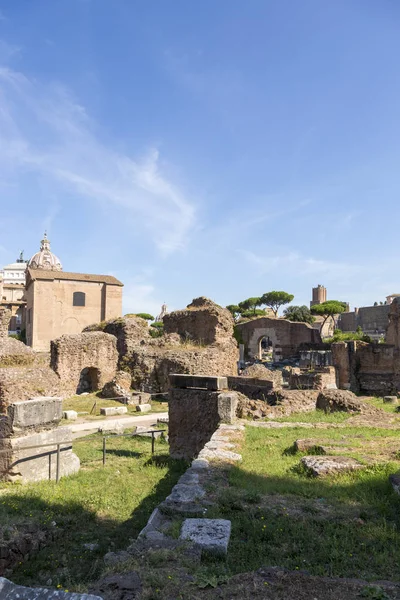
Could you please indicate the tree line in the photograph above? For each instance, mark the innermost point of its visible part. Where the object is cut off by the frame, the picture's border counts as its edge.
(250, 308)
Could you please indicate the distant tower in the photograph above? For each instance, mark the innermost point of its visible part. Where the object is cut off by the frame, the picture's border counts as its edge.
(163, 312)
(318, 295)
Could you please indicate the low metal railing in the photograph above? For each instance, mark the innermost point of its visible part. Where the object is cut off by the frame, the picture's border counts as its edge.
(69, 446)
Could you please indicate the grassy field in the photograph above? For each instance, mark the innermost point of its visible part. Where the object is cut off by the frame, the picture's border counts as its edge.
(86, 404)
(106, 506)
(344, 526)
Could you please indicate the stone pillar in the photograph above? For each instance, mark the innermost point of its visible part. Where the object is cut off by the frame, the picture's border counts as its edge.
(197, 405)
(341, 362)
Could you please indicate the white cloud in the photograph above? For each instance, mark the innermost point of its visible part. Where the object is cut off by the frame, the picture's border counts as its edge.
(45, 131)
(140, 297)
(301, 265)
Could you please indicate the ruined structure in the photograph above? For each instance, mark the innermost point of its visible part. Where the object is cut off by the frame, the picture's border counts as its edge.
(11, 350)
(197, 405)
(198, 340)
(286, 337)
(371, 368)
(84, 362)
(34, 423)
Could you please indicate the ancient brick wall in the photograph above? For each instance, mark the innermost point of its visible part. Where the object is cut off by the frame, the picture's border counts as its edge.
(85, 361)
(208, 348)
(202, 321)
(285, 335)
(195, 413)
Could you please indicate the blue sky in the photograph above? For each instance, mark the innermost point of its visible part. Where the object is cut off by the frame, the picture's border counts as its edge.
(205, 148)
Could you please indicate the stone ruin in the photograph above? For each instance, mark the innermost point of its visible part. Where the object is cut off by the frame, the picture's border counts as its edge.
(198, 340)
(371, 368)
(34, 423)
(84, 362)
(11, 350)
(287, 337)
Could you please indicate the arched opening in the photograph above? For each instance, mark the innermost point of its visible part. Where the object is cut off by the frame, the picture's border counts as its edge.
(89, 380)
(265, 349)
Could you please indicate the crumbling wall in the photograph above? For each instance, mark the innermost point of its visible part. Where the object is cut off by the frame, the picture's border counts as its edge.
(277, 404)
(287, 336)
(372, 369)
(23, 383)
(84, 361)
(196, 411)
(202, 321)
(318, 379)
(198, 341)
(12, 352)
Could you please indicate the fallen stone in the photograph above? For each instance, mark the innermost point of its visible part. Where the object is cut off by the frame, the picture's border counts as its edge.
(11, 591)
(112, 427)
(390, 399)
(24, 463)
(329, 465)
(163, 420)
(343, 400)
(141, 398)
(71, 415)
(114, 558)
(109, 411)
(212, 535)
(143, 407)
(307, 445)
(119, 586)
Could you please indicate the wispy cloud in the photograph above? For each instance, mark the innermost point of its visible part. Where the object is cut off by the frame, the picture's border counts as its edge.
(45, 131)
(301, 265)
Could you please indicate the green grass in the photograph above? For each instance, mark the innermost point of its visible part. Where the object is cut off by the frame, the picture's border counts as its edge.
(316, 416)
(103, 505)
(379, 403)
(85, 404)
(344, 526)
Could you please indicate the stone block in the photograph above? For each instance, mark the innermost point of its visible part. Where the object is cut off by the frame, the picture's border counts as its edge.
(211, 535)
(308, 445)
(143, 407)
(23, 463)
(109, 411)
(329, 465)
(36, 413)
(71, 415)
(227, 405)
(11, 591)
(140, 398)
(390, 399)
(198, 382)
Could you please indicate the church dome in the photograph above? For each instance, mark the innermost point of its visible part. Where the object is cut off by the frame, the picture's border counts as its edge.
(45, 259)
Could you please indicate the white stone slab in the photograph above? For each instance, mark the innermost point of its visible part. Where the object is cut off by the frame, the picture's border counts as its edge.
(212, 535)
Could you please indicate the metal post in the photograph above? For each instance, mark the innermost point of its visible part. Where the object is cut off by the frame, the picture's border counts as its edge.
(104, 451)
(152, 442)
(58, 464)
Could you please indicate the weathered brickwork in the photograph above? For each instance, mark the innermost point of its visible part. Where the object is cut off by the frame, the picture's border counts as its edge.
(85, 361)
(287, 337)
(198, 341)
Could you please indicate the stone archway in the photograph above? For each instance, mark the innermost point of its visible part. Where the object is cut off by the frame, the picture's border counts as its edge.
(89, 380)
